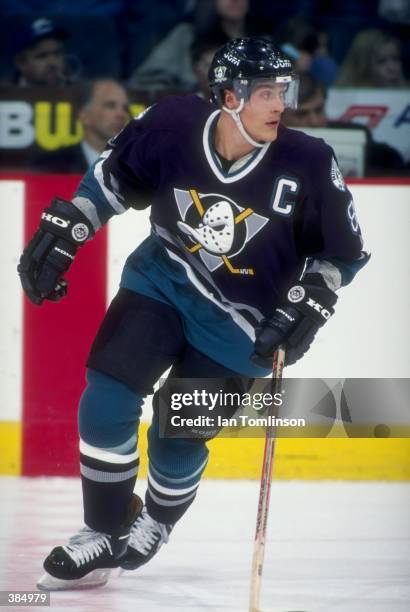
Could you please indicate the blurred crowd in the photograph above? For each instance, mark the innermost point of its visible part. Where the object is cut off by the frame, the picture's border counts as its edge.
(109, 48)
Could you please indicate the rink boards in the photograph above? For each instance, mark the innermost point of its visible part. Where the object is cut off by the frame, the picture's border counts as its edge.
(43, 350)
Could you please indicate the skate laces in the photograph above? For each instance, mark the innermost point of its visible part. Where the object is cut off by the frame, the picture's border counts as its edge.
(146, 533)
(87, 544)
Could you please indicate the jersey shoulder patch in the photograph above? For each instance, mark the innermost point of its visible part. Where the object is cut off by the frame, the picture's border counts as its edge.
(337, 176)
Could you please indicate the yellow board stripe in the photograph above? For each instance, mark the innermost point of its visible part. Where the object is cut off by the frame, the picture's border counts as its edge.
(298, 458)
(10, 448)
(314, 459)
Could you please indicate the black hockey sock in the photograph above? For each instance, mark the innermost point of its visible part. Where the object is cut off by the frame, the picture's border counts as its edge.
(107, 492)
(168, 515)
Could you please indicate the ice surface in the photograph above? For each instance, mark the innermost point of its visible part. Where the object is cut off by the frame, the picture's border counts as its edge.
(332, 546)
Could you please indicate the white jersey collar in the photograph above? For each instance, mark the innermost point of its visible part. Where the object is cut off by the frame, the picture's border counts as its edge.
(241, 167)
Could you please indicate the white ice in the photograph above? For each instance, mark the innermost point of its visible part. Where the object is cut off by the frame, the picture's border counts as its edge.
(332, 546)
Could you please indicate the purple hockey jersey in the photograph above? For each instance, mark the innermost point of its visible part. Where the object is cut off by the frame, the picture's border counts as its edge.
(238, 237)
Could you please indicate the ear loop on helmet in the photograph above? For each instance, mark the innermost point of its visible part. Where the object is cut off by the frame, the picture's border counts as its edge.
(235, 116)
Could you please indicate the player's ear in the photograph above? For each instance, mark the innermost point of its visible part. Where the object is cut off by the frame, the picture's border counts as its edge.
(230, 100)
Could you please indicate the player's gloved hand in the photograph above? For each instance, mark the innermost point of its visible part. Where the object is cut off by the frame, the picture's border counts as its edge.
(294, 324)
(49, 254)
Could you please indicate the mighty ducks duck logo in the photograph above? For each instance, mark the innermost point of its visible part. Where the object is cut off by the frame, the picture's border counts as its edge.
(216, 227)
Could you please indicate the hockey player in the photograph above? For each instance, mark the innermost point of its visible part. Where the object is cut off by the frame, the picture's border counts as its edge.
(253, 231)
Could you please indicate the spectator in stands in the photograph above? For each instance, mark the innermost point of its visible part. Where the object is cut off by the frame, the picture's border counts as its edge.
(39, 54)
(373, 60)
(169, 65)
(307, 47)
(103, 113)
(397, 11)
(380, 158)
(202, 51)
(311, 104)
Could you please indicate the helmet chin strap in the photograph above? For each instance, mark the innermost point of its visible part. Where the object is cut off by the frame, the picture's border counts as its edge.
(235, 116)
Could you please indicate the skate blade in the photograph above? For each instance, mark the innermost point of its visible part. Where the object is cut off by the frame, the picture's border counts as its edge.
(98, 577)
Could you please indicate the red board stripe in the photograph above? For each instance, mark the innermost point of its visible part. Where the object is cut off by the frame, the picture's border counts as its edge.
(57, 338)
(378, 181)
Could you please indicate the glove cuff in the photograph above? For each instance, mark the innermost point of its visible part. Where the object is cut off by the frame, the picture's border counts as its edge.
(313, 301)
(65, 220)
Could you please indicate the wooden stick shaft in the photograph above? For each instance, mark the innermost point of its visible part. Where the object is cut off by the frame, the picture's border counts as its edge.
(264, 493)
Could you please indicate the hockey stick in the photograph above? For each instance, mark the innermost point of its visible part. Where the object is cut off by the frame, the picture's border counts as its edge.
(264, 491)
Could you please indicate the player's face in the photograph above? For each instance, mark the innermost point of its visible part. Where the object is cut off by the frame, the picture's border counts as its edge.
(261, 114)
(309, 114)
(43, 63)
(108, 112)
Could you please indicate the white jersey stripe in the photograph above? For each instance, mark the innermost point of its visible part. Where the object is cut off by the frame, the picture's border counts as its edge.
(239, 319)
(109, 195)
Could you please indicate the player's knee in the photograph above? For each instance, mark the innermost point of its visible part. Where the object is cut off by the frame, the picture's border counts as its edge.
(176, 456)
(109, 411)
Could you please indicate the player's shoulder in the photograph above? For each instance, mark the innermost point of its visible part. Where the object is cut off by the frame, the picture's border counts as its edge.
(313, 148)
(176, 113)
(165, 124)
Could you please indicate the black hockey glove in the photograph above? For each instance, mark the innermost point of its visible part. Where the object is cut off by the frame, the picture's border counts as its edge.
(309, 305)
(49, 254)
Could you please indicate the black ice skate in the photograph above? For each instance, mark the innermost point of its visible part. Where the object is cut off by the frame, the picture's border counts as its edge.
(146, 538)
(88, 558)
